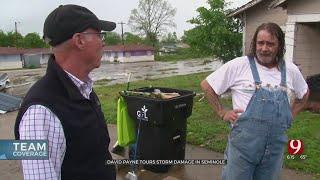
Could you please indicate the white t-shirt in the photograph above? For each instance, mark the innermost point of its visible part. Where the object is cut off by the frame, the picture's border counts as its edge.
(236, 76)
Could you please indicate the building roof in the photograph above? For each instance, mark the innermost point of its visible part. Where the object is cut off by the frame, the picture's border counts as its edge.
(10, 51)
(244, 7)
(273, 4)
(18, 51)
(277, 3)
(128, 47)
(38, 51)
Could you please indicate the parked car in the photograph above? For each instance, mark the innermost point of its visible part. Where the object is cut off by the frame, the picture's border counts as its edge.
(4, 81)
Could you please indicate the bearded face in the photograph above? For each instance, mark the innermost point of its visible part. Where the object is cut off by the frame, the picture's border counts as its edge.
(267, 47)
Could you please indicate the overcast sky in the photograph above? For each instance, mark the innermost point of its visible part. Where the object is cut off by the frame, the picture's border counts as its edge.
(30, 14)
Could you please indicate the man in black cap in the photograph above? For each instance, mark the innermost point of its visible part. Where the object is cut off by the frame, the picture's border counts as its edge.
(62, 106)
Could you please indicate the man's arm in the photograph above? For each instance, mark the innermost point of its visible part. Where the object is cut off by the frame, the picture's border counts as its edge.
(216, 105)
(38, 122)
(299, 104)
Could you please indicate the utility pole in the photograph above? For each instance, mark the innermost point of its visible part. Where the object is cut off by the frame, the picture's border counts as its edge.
(122, 23)
(16, 33)
(15, 27)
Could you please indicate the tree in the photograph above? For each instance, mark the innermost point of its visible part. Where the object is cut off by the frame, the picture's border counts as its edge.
(112, 38)
(130, 38)
(3, 39)
(33, 40)
(170, 38)
(152, 18)
(214, 32)
(10, 39)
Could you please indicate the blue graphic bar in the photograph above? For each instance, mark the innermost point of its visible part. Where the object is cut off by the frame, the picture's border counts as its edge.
(23, 149)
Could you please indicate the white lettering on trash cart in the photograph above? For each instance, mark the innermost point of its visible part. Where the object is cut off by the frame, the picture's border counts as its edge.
(142, 115)
(180, 106)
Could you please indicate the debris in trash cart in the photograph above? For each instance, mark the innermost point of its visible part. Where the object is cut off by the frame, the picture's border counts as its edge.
(156, 94)
(169, 95)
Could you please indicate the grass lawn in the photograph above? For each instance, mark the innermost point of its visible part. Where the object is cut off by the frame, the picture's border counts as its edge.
(181, 54)
(207, 130)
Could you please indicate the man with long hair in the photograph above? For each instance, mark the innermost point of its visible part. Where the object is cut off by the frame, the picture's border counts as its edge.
(267, 93)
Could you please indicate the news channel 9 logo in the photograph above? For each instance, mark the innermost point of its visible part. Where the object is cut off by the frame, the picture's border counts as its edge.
(24, 149)
(296, 149)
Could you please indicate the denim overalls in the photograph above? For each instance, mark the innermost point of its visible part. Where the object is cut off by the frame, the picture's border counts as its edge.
(256, 142)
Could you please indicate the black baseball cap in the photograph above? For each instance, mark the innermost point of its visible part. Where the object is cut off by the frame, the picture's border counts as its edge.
(66, 20)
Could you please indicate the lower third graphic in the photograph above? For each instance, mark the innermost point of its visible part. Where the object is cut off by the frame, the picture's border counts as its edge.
(23, 149)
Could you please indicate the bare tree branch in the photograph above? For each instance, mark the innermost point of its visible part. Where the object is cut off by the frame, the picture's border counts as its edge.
(152, 17)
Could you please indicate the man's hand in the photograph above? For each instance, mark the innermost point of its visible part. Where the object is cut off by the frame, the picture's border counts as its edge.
(214, 101)
(232, 115)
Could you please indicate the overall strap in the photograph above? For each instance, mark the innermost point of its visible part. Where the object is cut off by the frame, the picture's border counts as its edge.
(283, 73)
(254, 71)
